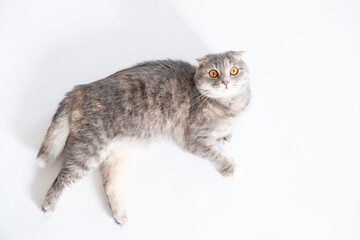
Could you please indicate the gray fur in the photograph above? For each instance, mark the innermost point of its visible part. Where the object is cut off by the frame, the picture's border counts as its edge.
(164, 99)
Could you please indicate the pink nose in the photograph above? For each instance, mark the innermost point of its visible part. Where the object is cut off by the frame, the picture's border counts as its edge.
(225, 82)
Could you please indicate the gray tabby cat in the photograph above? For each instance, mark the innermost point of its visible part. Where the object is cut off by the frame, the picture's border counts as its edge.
(96, 123)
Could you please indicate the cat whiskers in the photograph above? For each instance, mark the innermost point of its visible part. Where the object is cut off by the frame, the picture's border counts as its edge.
(206, 98)
(198, 97)
(203, 102)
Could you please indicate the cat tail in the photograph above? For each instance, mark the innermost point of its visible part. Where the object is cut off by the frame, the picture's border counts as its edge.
(56, 135)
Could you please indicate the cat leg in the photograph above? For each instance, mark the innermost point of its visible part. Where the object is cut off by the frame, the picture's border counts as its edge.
(76, 164)
(226, 139)
(206, 148)
(114, 172)
(69, 174)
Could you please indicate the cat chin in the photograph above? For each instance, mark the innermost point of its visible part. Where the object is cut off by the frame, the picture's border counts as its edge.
(222, 93)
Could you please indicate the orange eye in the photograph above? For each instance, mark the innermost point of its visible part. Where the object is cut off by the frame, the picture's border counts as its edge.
(213, 73)
(234, 71)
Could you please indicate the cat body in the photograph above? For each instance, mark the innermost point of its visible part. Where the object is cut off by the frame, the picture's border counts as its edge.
(97, 124)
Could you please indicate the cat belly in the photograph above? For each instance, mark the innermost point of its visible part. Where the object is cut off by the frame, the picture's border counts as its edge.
(121, 148)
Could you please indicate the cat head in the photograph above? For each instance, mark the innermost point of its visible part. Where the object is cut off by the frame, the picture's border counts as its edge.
(222, 75)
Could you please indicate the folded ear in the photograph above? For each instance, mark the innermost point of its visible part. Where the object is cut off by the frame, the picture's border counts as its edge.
(238, 54)
(201, 61)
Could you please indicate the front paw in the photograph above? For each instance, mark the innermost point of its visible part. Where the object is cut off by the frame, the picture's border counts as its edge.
(227, 169)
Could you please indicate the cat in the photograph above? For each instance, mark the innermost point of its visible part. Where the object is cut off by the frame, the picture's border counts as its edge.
(97, 123)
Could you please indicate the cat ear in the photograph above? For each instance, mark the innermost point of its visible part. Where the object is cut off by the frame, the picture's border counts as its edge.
(238, 54)
(201, 61)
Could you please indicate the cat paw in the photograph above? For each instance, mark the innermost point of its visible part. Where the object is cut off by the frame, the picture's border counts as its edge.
(227, 169)
(224, 141)
(47, 209)
(121, 219)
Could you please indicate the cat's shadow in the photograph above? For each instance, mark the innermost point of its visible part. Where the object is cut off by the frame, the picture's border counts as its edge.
(161, 33)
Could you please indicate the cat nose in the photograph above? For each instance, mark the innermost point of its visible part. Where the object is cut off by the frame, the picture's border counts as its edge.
(225, 82)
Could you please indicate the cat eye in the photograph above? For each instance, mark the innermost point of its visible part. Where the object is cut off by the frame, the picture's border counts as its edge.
(234, 71)
(213, 73)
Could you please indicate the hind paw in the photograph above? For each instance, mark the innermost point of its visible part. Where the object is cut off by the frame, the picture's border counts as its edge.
(47, 210)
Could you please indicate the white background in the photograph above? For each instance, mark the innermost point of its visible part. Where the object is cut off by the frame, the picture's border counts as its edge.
(297, 149)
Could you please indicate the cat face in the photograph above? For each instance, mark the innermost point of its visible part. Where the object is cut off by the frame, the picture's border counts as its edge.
(221, 75)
